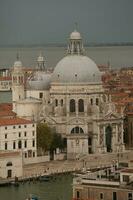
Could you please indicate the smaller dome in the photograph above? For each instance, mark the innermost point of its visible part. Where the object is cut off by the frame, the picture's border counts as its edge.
(17, 65)
(40, 81)
(75, 35)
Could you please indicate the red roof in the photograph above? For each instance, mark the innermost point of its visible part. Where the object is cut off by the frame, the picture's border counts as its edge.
(127, 170)
(6, 110)
(6, 106)
(13, 121)
(5, 78)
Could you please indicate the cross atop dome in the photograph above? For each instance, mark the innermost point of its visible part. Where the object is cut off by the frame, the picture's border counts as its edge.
(75, 45)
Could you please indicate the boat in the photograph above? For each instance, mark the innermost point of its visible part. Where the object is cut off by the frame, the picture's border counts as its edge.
(32, 197)
(45, 178)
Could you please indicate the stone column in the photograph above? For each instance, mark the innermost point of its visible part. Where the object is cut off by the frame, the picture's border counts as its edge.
(85, 107)
(67, 106)
(76, 101)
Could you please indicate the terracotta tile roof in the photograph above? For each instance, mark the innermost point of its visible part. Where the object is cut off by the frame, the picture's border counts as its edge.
(9, 153)
(6, 106)
(6, 110)
(129, 170)
(7, 113)
(5, 78)
(13, 121)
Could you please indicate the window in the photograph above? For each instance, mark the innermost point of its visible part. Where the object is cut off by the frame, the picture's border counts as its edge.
(130, 196)
(101, 196)
(114, 196)
(40, 95)
(33, 154)
(5, 127)
(97, 101)
(77, 130)
(19, 134)
(33, 143)
(125, 178)
(72, 105)
(25, 143)
(14, 127)
(89, 141)
(33, 133)
(14, 145)
(5, 136)
(78, 194)
(19, 144)
(6, 146)
(25, 155)
(61, 102)
(91, 101)
(25, 126)
(81, 105)
(9, 164)
(25, 133)
(19, 126)
(33, 125)
(56, 102)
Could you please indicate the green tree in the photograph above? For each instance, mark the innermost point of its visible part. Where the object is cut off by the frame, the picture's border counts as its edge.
(57, 142)
(44, 137)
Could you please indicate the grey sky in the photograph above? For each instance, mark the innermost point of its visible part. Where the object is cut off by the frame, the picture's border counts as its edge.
(50, 21)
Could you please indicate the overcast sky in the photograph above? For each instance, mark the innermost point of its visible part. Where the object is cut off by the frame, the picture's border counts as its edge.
(50, 21)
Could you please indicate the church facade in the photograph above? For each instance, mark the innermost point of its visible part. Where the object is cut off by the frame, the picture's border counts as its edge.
(72, 100)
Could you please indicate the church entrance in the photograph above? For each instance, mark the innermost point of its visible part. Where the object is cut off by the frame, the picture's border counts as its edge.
(108, 140)
(9, 173)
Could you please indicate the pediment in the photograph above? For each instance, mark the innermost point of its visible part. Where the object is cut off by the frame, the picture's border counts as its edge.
(109, 116)
(49, 120)
(76, 121)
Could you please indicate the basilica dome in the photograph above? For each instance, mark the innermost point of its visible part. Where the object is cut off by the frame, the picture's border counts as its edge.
(39, 81)
(76, 68)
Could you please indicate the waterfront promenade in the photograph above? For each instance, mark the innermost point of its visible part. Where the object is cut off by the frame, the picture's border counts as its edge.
(66, 166)
(89, 161)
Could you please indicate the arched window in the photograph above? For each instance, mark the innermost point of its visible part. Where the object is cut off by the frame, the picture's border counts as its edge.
(91, 101)
(61, 102)
(19, 144)
(76, 130)
(81, 105)
(9, 164)
(97, 101)
(72, 105)
(108, 138)
(56, 102)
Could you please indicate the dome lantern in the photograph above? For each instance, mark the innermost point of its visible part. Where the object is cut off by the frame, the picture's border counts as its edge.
(40, 62)
(75, 46)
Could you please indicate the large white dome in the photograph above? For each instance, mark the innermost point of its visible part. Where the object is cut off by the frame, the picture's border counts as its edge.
(76, 68)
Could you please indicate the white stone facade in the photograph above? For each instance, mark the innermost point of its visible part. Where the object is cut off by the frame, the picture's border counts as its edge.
(11, 164)
(73, 101)
(18, 135)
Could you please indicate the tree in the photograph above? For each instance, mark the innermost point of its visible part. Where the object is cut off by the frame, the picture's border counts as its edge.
(44, 137)
(57, 142)
(48, 139)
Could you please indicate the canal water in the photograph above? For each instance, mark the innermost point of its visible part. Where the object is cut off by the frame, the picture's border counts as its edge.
(59, 189)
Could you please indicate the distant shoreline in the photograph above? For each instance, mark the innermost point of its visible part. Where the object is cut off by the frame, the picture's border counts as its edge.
(64, 45)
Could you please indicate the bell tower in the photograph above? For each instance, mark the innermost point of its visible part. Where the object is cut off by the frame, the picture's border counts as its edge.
(18, 81)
